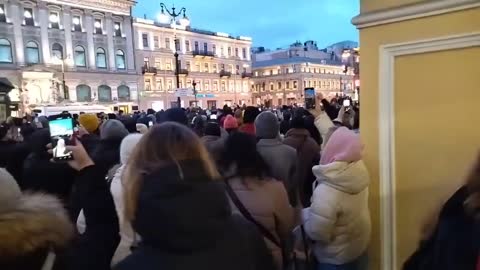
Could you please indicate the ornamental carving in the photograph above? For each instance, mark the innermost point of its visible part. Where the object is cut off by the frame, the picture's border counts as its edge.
(115, 6)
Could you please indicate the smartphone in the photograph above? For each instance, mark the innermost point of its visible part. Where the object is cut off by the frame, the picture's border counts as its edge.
(150, 124)
(213, 117)
(346, 103)
(309, 98)
(61, 134)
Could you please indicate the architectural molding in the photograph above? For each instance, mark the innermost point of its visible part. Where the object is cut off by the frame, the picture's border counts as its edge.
(387, 153)
(414, 11)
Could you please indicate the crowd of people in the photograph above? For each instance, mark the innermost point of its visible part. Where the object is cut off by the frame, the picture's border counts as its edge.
(236, 188)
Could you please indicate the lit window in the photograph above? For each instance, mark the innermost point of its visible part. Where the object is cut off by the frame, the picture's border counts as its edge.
(118, 29)
(98, 27)
(28, 17)
(207, 69)
(3, 18)
(33, 56)
(54, 20)
(120, 59)
(5, 51)
(77, 24)
(101, 58)
(80, 57)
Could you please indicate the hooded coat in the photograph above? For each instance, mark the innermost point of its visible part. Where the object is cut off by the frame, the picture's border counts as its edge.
(185, 222)
(31, 226)
(338, 219)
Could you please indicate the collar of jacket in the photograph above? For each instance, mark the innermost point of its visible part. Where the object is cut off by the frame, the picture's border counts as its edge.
(35, 222)
(297, 132)
(269, 142)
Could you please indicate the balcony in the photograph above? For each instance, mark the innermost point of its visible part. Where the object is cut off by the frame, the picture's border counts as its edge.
(247, 75)
(183, 72)
(203, 54)
(149, 70)
(225, 74)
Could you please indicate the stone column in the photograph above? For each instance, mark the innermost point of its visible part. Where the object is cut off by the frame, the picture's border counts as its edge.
(111, 48)
(90, 46)
(67, 25)
(151, 41)
(17, 45)
(127, 26)
(43, 21)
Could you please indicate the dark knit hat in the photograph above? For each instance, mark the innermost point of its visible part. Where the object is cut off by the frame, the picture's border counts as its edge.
(213, 129)
(176, 115)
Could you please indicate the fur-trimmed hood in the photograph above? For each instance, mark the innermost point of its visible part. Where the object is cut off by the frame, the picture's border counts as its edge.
(37, 221)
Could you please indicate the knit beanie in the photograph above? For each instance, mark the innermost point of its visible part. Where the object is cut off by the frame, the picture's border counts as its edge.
(128, 145)
(213, 129)
(267, 126)
(230, 122)
(250, 114)
(141, 128)
(344, 145)
(113, 129)
(89, 121)
(9, 191)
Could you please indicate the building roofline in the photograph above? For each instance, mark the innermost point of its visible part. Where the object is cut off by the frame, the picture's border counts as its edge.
(295, 60)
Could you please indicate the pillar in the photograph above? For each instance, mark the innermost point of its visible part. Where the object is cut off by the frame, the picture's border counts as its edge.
(43, 21)
(67, 25)
(127, 26)
(90, 45)
(17, 31)
(111, 48)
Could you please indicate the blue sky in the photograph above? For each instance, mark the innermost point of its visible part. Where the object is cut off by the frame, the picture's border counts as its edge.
(271, 23)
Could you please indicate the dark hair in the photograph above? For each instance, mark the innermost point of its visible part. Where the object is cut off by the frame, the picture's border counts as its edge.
(199, 126)
(212, 129)
(310, 126)
(250, 114)
(241, 151)
(297, 122)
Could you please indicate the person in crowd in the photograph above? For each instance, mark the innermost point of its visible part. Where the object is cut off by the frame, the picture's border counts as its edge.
(322, 121)
(130, 124)
(308, 154)
(285, 123)
(107, 152)
(281, 158)
(453, 242)
(199, 125)
(346, 117)
(19, 153)
(40, 174)
(265, 198)
(165, 185)
(89, 131)
(127, 236)
(43, 122)
(226, 111)
(239, 117)
(249, 116)
(338, 220)
(176, 115)
(230, 124)
(312, 129)
(33, 228)
(213, 140)
(142, 128)
(331, 108)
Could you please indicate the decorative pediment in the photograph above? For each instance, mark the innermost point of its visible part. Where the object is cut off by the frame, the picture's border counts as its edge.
(114, 6)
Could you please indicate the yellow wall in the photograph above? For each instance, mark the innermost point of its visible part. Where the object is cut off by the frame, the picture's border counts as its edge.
(422, 153)
(373, 5)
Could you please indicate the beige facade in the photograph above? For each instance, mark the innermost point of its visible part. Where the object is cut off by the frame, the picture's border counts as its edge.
(88, 44)
(220, 66)
(282, 81)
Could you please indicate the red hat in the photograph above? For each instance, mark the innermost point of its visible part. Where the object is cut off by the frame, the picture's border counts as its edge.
(230, 122)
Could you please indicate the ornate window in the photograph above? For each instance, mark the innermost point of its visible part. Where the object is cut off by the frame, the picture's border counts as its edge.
(80, 59)
(123, 93)
(104, 93)
(32, 53)
(101, 58)
(5, 51)
(57, 51)
(120, 59)
(84, 93)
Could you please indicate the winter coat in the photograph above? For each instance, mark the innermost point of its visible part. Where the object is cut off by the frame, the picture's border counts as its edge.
(95, 247)
(308, 152)
(214, 145)
(90, 142)
(339, 219)
(185, 222)
(35, 226)
(267, 202)
(282, 160)
(455, 243)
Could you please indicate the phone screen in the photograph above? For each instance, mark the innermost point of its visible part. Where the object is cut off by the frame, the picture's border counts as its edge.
(213, 117)
(309, 98)
(150, 124)
(346, 103)
(61, 133)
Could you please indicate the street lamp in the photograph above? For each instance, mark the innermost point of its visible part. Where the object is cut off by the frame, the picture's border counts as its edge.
(166, 16)
(60, 61)
(194, 84)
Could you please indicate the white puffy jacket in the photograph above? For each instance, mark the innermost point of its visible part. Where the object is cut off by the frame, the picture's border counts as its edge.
(338, 219)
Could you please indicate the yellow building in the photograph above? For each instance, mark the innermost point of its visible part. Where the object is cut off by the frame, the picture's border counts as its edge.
(420, 100)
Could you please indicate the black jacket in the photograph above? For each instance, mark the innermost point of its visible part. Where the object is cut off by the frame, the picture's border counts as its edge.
(186, 223)
(95, 247)
(455, 242)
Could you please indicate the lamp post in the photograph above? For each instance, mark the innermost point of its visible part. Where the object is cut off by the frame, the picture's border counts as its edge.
(61, 61)
(166, 16)
(194, 84)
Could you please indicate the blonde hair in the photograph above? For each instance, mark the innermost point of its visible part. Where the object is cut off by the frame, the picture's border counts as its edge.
(163, 145)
